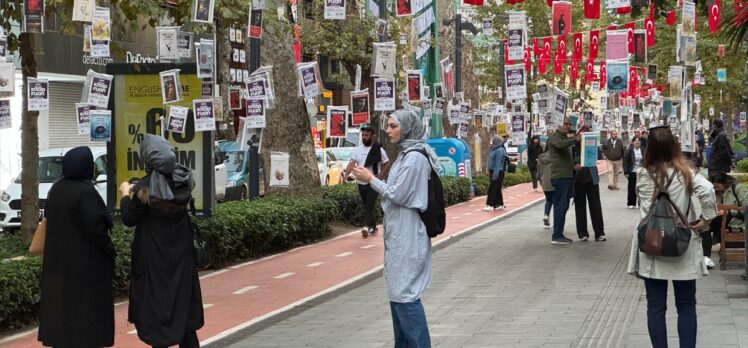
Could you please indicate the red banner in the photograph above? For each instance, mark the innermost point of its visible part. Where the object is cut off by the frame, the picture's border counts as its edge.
(574, 70)
(536, 47)
(715, 14)
(740, 12)
(670, 20)
(561, 51)
(527, 60)
(650, 27)
(594, 43)
(592, 9)
(561, 17)
(630, 27)
(603, 75)
(577, 48)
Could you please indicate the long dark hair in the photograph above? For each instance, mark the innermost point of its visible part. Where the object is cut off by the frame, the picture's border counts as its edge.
(663, 152)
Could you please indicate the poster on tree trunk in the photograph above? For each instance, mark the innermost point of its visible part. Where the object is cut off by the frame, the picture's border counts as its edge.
(360, 107)
(337, 122)
(279, 169)
(384, 95)
(38, 96)
(516, 87)
(256, 117)
(255, 24)
(335, 9)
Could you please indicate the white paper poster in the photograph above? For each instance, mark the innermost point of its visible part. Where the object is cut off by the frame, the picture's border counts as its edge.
(335, 9)
(688, 16)
(5, 117)
(101, 125)
(487, 27)
(100, 49)
(309, 82)
(204, 115)
(384, 95)
(99, 90)
(202, 11)
(168, 43)
(38, 95)
(177, 118)
(279, 172)
(185, 44)
(515, 82)
(205, 56)
(384, 59)
(82, 111)
(255, 113)
(171, 88)
(7, 79)
(83, 10)
(559, 108)
(101, 25)
(613, 4)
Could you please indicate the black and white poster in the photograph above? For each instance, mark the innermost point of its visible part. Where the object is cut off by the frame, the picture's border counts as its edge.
(171, 88)
(335, 9)
(38, 95)
(439, 91)
(515, 82)
(487, 27)
(204, 115)
(5, 116)
(205, 55)
(3, 47)
(309, 83)
(177, 119)
(82, 112)
(559, 108)
(255, 113)
(203, 11)
(384, 95)
(185, 44)
(438, 108)
(168, 43)
(99, 90)
(384, 59)
(7, 79)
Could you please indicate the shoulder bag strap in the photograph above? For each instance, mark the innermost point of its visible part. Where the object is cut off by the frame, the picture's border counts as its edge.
(735, 194)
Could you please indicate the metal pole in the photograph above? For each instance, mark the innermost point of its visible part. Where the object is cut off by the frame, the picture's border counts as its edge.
(745, 243)
(254, 155)
(501, 73)
(458, 51)
(382, 15)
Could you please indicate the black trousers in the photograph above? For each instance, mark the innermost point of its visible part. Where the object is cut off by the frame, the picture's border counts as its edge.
(369, 197)
(188, 341)
(534, 175)
(631, 198)
(584, 192)
(712, 236)
(495, 196)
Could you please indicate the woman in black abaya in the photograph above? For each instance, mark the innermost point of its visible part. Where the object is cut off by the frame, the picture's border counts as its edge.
(165, 299)
(76, 308)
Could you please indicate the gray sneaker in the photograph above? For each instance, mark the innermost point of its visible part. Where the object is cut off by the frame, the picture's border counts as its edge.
(601, 238)
(584, 239)
(568, 240)
(562, 241)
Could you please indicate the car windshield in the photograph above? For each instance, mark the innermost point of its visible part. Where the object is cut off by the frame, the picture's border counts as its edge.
(320, 156)
(50, 170)
(234, 161)
(342, 154)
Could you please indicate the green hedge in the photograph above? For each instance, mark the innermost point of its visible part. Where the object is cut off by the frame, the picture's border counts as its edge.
(481, 182)
(521, 176)
(349, 203)
(742, 166)
(19, 292)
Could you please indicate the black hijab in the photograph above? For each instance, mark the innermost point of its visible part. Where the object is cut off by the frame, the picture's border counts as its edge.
(78, 164)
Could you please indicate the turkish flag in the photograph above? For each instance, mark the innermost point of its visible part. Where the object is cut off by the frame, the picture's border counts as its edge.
(592, 9)
(536, 47)
(650, 27)
(603, 74)
(542, 63)
(577, 52)
(558, 67)
(547, 42)
(740, 12)
(715, 14)
(549, 3)
(561, 48)
(623, 10)
(527, 60)
(630, 30)
(590, 71)
(633, 81)
(574, 70)
(670, 20)
(594, 43)
(652, 9)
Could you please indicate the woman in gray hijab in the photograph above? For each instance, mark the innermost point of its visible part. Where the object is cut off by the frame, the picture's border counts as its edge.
(407, 255)
(496, 166)
(165, 299)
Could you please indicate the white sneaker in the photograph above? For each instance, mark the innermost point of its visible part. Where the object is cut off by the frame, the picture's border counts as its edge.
(631, 207)
(501, 207)
(709, 263)
(487, 208)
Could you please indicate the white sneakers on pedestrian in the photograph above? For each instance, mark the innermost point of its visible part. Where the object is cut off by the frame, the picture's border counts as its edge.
(631, 207)
(501, 207)
(487, 208)
(546, 220)
(709, 263)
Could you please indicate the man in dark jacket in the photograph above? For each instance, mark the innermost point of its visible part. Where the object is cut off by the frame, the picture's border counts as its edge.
(613, 153)
(562, 174)
(720, 158)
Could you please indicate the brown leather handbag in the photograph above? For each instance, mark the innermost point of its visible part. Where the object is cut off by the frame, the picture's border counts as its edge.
(37, 243)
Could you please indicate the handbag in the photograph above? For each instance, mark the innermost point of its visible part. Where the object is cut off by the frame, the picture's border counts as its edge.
(37, 243)
(664, 231)
(510, 167)
(202, 256)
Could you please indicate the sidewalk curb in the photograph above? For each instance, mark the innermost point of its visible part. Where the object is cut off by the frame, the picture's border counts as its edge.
(255, 325)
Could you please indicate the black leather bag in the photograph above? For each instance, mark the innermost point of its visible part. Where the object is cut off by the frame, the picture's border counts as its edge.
(202, 256)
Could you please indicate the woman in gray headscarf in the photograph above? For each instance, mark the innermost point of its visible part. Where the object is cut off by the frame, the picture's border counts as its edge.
(165, 299)
(407, 255)
(496, 166)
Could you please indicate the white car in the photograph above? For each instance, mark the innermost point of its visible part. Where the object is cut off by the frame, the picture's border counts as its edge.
(50, 170)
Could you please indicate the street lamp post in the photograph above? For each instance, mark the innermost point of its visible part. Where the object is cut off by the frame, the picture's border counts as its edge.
(254, 155)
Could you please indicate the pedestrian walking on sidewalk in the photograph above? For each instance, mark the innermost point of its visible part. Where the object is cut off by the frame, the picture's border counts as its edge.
(544, 174)
(372, 156)
(729, 192)
(690, 192)
(631, 163)
(720, 157)
(586, 189)
(76, 307)
(407, 246)
(533, 151)
(496, 168)
(166, 304)
(562, 174)
(613, 152)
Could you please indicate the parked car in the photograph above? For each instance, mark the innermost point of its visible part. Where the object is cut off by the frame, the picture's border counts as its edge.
(236, 161)
(221, 174)
(49, 171)
(342, 156)
(330, 170)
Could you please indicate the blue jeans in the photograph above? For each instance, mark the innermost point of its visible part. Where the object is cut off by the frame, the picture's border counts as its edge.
(548, 202)
(561, 193)
(409, 323)
(685, 301)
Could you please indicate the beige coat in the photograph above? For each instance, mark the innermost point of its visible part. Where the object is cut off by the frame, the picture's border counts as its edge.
(690, 265)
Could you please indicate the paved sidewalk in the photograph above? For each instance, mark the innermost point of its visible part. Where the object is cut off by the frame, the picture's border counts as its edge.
(255, 292)
(506, 286)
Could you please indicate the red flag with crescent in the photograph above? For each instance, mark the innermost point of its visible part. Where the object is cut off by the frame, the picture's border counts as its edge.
(547, 42)
(577, 52)
(590, 70)
(561, 48)
(633, 81)
(542, 63)
(650, 28)
(592, 9)
(527, 60)
(603, 74)
(715, 14)
(630, 27)
(536, 47)
(652, 9)
(670, 19)
(594, 43)
(558, 67)
(574, 70)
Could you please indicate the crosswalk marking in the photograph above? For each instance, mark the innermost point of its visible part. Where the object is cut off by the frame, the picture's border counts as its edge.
(367, 246)
(314, 264)
(245, 290)
(347, 253)
(284, 275)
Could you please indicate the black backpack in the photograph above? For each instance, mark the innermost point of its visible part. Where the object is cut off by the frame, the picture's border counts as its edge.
(664, 231)
(434, 218)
